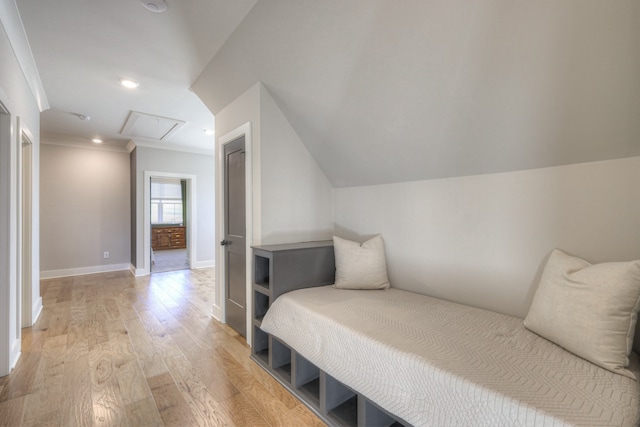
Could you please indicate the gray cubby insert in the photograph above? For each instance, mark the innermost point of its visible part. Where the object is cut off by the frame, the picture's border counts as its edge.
(261, 273)
(260, 349)
(306, 379)
(280, 359)
(338, 401)
(282, 268)
(261, 305)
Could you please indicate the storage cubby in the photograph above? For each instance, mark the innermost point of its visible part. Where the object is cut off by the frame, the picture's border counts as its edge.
(338, 401)
(261, 305)
(370, 414)
(261, 271)
(281, 359)
(260, 349)
(306, 379)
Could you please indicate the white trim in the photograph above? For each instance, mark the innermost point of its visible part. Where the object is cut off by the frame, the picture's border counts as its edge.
(75, 142)
(192, 222)
(27, 282)
(15, 353)
(14, 28)
(80, 271)
(204, 264)
(172, 147)
(6, 283)
(250, 239)
(36, 310)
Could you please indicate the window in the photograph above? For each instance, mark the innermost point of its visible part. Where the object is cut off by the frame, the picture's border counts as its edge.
(167, 202)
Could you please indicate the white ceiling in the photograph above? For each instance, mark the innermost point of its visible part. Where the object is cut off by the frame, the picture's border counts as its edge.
(387, 91)
(82, 48)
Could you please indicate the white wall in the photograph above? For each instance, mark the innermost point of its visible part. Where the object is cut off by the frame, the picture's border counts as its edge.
(203, 168)
(22, 96)
(291, 197)
(84, 210)
(296, 195)
(483, 240)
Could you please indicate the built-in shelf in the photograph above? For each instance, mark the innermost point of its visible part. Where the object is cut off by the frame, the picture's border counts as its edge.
(282, 268)
(346, 414)
(261, 271)
(260, 305)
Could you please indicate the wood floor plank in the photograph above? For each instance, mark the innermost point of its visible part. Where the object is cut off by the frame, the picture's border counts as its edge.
(108, 408)
(47, 387)
(144, 413)
(48, 419)
(203, 406)
(211, 372)
(132, 383)
(76, 407)
(172, 406)
(272, 408)
(59, 322)
(11, 412)
(242, 412)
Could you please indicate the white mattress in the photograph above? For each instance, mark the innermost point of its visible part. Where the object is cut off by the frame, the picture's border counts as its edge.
(433, 362)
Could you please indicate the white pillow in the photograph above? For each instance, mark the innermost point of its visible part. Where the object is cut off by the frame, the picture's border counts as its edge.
(590, 310)
(360, 266)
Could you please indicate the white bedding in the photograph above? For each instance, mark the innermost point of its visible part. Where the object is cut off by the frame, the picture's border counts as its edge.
(433, 362)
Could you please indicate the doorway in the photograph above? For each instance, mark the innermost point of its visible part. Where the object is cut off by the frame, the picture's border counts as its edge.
(189, 218)
(169, 225)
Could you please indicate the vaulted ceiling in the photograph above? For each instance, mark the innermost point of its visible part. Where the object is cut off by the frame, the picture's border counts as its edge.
(384, 91)
(379, 91)
(83, 48)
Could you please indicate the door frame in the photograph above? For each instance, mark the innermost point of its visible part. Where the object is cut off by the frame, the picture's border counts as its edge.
(25, 276)
(252, 229)
(192, 223)
(9, 309)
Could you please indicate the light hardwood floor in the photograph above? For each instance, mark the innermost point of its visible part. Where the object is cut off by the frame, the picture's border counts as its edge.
(113, 350)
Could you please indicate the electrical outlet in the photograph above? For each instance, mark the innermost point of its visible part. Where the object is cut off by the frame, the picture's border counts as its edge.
(106, 255)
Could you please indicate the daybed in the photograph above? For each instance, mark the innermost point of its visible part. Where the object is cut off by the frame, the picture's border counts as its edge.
(433, 362)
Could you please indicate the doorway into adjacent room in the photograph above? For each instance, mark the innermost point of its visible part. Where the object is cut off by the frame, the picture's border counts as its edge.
(169, 225)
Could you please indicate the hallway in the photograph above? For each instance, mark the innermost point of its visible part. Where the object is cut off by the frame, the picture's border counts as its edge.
(113, 350)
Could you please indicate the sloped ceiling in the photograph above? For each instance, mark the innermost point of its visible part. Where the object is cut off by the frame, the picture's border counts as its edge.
(388, 91)
(83, 48)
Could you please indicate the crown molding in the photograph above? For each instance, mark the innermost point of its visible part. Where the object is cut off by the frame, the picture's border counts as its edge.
(14, 28)
(165, 146)
(74, 142)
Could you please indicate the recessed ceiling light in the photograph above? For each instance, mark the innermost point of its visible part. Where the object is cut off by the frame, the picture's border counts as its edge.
(154, 5)
(129, 84)
(96, 141)
(209, 131)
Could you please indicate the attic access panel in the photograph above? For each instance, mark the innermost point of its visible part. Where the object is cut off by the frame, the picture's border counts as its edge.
(148, 126)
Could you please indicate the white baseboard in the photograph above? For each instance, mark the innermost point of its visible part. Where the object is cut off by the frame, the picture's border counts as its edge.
(36, 310)
(14, 354)
(83, 270)
(138, 272)
(217, 313)
(204, 264)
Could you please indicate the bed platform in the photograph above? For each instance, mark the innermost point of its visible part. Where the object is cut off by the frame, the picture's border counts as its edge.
(368, 358)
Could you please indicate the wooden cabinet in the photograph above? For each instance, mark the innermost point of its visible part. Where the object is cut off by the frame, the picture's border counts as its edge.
(168, 237)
